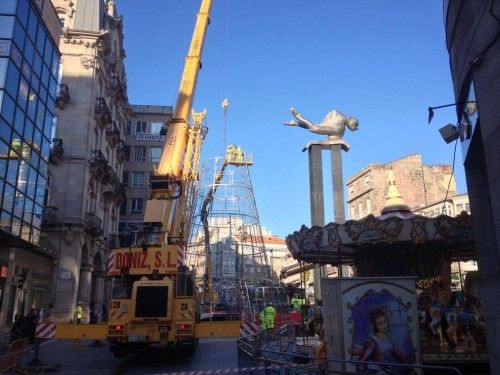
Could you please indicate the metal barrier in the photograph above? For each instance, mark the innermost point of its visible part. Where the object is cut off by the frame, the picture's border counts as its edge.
(253, 354)
(11, 358)
(388, 365)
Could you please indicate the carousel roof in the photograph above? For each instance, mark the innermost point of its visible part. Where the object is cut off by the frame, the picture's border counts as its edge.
(442, 236)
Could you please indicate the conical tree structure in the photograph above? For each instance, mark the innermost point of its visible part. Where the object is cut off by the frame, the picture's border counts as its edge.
(226, 245)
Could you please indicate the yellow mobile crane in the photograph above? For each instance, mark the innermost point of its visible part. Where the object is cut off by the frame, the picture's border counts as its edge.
(154, 297)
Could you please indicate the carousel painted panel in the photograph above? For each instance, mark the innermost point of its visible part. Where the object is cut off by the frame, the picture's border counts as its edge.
(378, 324)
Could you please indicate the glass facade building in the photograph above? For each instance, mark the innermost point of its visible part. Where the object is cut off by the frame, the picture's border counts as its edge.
(29, 64)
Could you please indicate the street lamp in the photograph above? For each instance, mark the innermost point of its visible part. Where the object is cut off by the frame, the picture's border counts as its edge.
(463, 130)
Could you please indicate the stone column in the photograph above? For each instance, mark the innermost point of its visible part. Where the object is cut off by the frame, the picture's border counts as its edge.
(97, 298)
(317, 206)
(337, 183)
(85, 283)
(338, 193)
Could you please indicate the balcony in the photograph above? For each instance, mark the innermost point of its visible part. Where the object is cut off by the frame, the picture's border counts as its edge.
(62, 97)
(112, 241)
(102, 113)
(98, 164)
(115, 84)
(50, 216)
(112, 134)
(56, 150)
(119, 193)
(109, 177)
(92, 224)
(121, 153)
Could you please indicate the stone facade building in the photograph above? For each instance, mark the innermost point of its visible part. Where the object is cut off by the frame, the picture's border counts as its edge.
(29, 63)
(418, 184)
(453, 206)
(85, 193)
(144, 146)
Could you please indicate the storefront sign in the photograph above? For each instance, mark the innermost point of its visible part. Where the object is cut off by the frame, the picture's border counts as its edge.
(150, 137)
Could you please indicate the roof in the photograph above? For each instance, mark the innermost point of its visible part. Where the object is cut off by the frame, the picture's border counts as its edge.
(417, 239)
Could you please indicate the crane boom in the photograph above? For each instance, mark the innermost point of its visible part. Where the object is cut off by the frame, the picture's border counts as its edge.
(172, 157)
(170, 185)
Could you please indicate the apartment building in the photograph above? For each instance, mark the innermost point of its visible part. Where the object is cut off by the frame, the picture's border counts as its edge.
(85, 194)
(143, 145)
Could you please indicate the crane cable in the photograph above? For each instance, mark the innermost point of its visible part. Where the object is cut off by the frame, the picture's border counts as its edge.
(225, 102)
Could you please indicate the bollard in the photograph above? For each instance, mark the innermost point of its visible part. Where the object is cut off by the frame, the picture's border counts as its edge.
(35, 362)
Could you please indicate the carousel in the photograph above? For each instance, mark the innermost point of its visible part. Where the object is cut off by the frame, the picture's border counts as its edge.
(399, 243)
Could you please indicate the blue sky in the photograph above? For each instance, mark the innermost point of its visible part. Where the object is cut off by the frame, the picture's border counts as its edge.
(383, 62)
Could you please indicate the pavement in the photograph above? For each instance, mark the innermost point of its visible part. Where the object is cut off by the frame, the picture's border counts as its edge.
(59, 354)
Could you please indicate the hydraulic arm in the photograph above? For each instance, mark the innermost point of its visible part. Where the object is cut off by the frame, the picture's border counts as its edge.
(170, 183)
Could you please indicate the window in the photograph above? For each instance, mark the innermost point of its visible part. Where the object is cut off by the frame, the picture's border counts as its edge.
(139, 153)
(128, 129)
(460, 207)
(141, 127)
(138, 179)
(136, 205)
(467, 208)
(123, 208)
(155, 154)
(127, 152)
(156, 127)
(125, 178)
(6, 26)
(3, 71)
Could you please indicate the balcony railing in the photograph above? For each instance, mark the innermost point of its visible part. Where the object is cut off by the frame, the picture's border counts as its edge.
(109, 176)
(112, 134)
(62, 97)
(119, 193)
(98, 164)
(121, 153)
(92, 224)
(102, 113)
(115, 84)
(112, 241)
(56, 150)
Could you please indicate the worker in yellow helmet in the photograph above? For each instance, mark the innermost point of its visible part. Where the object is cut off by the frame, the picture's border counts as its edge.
(267, 318)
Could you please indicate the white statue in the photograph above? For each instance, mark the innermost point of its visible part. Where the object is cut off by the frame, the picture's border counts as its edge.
(333, 126)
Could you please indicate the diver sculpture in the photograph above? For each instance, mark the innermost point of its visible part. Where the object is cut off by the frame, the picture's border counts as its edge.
(333, 125)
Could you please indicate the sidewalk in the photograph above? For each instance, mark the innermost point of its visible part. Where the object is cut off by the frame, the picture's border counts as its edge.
(88, 360)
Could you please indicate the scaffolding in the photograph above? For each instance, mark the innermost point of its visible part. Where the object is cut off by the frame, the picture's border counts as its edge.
(226, 247)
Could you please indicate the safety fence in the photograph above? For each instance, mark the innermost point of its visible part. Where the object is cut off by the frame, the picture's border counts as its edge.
(11, 358)
(258, 356)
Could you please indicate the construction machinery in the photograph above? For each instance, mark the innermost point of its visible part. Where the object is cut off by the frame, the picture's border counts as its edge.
(154, 298)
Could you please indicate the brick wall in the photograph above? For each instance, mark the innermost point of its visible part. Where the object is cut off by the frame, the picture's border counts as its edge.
(418, 184)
